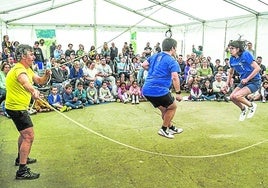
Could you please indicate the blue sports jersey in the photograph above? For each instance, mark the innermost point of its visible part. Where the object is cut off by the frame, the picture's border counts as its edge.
(242, 65)
(159, 79)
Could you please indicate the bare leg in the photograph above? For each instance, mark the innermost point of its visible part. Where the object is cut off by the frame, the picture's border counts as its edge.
(19, 144)
(238, 97)
(25, 143)
(168, 114)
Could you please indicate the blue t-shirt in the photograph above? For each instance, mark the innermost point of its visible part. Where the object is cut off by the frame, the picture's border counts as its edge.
(242, 65)
(159, 79)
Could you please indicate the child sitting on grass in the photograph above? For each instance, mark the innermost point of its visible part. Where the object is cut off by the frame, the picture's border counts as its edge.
(41, 105)
(105, 94)
(69, 99)
(207, 91)
(81, 93)
(135, 92)
(92, 94)
(195, 92)
(123, 93)
(54, 99)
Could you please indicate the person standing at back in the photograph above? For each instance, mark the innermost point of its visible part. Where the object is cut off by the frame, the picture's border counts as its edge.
(39, 58)
(148, 50)
(250, 49)
(43, 47)
(162, 73)
(69, 50)
(244, 64)
(113, 51)
(20, 90)
(52, 49)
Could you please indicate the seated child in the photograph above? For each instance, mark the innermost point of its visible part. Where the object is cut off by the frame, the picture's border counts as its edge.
(54, 99)
(69, 99)
(219, 88)
(123, 93)
(105, 94)
(207, 91)
(195, 92)
(135, 92)
(42, 105)
(81, 93)
(92, 94)
(264, 91)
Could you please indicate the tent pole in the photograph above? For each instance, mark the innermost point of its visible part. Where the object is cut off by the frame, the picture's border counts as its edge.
(138, 13)
(41, 11)
(225, 36)
(256, 35)
(95, 22)
(176, 10)
(203, 34)
(24, 6)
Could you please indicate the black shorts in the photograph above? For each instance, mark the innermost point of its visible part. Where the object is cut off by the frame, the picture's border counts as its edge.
(164, 101)
(21, 118)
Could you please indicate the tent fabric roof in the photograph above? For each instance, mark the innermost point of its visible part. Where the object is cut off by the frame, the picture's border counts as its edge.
(210, 23)
(152, 13)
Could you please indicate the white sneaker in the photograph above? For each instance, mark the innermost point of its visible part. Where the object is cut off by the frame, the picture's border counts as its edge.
(166, 133)
(176, 130)
(252, 110)
(243, 114)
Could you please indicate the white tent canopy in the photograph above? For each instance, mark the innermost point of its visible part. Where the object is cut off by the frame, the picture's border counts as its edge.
(211, 23)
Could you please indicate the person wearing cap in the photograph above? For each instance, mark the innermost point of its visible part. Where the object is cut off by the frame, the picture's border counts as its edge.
(163, 71)
(243, 63)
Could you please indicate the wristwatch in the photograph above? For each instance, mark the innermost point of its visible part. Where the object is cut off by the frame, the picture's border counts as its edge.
(178, 92)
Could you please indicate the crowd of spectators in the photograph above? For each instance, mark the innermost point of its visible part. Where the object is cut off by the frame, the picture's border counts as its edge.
(205, 80)
(81, 78)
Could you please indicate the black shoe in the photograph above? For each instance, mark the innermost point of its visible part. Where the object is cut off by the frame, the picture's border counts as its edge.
(29, 161)
(26, 174)
(175, 130)
(226, 99)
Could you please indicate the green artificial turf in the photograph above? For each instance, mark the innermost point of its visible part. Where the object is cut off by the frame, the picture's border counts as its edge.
(116, 145)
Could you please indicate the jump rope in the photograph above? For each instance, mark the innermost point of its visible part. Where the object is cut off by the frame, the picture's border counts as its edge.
(133, 147)
(152, 152)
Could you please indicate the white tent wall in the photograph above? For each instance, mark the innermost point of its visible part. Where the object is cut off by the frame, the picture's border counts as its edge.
(213, 36)
(262, 39)
(218, 34)
(85, 36)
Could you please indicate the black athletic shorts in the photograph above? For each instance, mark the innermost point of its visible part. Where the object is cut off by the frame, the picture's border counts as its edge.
(164, 101)
(21, 118)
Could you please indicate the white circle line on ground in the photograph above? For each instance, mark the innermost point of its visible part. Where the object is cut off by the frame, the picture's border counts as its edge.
(157, 153)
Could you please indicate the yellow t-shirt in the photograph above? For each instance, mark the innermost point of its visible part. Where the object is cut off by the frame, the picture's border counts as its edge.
(17, 98)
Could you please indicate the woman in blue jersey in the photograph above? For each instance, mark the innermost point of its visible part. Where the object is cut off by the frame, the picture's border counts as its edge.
(162, 73)
(244, 64)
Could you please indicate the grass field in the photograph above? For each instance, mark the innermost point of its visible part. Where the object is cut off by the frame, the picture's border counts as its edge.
(117, 146)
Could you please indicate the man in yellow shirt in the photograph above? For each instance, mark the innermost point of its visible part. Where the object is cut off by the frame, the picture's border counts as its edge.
(20, 90)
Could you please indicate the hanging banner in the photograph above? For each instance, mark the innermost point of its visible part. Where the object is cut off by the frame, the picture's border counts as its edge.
(49, 37)
(45, 33)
